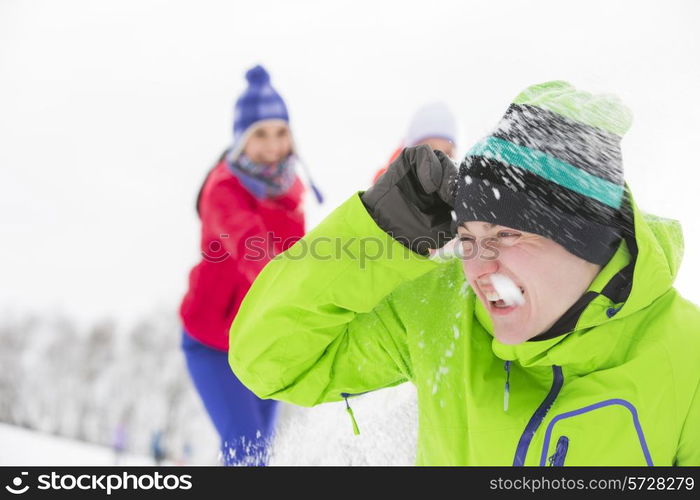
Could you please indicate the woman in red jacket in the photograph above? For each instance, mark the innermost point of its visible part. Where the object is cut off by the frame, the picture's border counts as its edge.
(250, 206)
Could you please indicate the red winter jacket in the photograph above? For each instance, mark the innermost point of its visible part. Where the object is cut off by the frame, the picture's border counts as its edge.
(231, 216)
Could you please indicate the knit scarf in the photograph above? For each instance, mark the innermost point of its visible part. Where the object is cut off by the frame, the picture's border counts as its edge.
(264, 181)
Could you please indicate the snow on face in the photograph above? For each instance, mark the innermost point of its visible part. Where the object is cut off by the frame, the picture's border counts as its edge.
(509, 292)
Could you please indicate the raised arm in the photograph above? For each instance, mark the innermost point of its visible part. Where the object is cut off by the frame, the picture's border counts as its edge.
(319, 320)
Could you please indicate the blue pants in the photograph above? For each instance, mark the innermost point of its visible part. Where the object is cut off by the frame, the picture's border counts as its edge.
(244, 422)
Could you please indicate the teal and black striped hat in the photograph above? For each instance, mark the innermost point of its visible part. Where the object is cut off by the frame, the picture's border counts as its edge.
(552, 167)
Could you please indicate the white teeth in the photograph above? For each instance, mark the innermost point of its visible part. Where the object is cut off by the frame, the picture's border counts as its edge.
(492, 296)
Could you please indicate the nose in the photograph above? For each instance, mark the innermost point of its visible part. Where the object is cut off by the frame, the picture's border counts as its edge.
(482, 264)
(268, 156)
(273, 150)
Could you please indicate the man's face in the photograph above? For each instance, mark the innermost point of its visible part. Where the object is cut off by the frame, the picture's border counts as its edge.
(440, 144)
(550, 278)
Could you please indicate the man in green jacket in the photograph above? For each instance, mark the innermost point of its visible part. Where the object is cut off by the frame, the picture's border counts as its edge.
(556, 338)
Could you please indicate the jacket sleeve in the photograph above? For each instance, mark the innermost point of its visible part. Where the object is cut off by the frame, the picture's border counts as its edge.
(319, 320)
(689, 445)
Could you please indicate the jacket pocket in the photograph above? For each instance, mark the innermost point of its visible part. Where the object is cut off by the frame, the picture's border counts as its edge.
(634, 442)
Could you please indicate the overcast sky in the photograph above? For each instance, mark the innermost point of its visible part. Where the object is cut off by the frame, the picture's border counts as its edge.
(112, 111)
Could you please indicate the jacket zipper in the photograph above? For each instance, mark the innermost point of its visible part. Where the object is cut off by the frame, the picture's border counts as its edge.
(506, 391)
(345, 396)
(538, 417)
(559, 455)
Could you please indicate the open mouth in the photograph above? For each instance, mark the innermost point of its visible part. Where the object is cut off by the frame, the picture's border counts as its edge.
(501, 293)
(500, 303)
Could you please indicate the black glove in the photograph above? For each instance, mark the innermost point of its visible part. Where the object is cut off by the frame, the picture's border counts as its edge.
(413, 200)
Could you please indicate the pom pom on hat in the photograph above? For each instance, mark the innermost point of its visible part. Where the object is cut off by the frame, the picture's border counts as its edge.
(257, 75)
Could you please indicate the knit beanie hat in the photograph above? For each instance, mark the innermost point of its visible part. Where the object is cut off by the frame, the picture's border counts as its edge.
(432, 120)
(259, 102)
(552, 167)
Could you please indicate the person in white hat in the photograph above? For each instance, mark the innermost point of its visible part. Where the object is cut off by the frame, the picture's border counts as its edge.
(432, 124)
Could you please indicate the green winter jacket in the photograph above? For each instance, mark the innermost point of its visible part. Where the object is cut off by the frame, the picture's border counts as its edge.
(325, 320)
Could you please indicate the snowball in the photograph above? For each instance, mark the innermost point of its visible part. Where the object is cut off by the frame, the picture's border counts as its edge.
(507, 290)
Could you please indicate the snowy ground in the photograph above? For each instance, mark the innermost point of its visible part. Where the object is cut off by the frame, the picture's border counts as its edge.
(306, 436)
(323, 435)
(25, 447)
